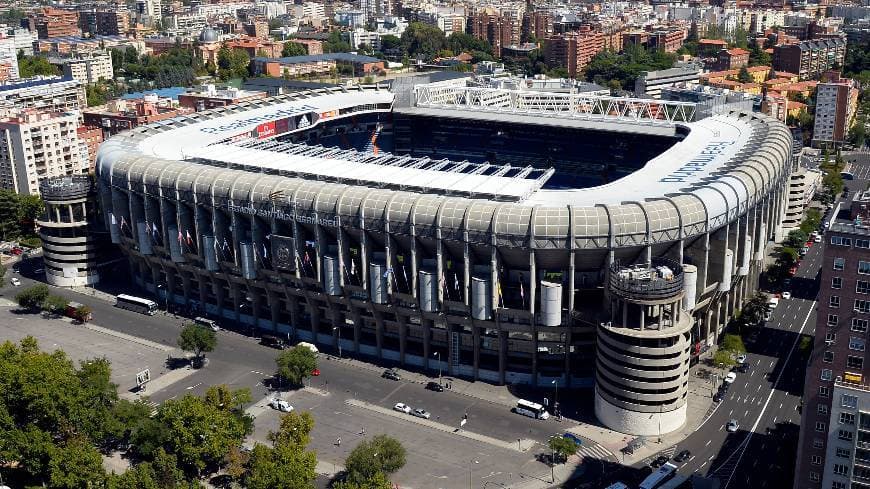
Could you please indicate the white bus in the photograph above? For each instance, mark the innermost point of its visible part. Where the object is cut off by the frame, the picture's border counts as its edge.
(531, 409)
(136, 304)
(665, 473)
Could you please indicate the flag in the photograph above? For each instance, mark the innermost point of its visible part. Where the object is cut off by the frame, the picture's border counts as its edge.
(442, 282)
(123, 221)
(405, 275)
(114, 222)
(154, 230)
(189, 239)
(387, 272)
(352, 267)
(226, 244)
(522, 291)
(498, 288)
(264, 250)
(306, 258)
(180, 237)
(456, 280)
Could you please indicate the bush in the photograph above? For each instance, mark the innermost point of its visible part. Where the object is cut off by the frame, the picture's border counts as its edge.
(32, 242)
(55, 304)
(32, 297)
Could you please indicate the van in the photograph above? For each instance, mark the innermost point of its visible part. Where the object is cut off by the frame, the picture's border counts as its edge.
(208, 323)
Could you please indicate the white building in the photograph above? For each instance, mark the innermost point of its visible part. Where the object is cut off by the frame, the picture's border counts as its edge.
(36, 145)
(23, 39)
(847, 452)
(272, 9)
(9, 56)
(802, 185)
(360, 36)
(87, 68)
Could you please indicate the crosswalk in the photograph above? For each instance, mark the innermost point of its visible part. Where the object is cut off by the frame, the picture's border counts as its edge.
(153, 405)
(596, 452)
(668, 452)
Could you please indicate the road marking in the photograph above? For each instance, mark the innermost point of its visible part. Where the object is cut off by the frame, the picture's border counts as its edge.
(746, 413)
(771, 363)
(711, 457)
(702, 465)
(729, 414)
(774, 418)
(710, 441)
(759, 388)
(194, 386)
(769, 397)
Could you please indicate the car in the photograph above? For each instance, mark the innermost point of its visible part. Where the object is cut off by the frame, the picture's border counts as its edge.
(792, 271)
(15, 281)
(402, 408)
(818, 239)
(730, 378)
(804, 250)
(659, 461)
(391, 374)
(421, 413)
(315, 372)
(731, 426)
(767, 315)
(742, 368)
(571, 436)
(786, 283)
(435, 386)
(273, 341)
(280, 405)
(786, 294)
(741, 358)
(719, 396)
(683, 456)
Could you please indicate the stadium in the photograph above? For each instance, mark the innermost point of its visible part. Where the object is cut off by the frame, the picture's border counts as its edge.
(507, 236)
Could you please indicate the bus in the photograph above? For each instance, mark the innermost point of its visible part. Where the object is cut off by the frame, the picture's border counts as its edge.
(531, 409)
(136, 304)
(665, 473)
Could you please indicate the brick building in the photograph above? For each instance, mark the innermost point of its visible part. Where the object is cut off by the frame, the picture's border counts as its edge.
(90, 138)
(836, 106)
(499, 29)
(256, 47)
(809, 59)
(50, 22)
(104, 22)
(538, 23)
(121, 115)
(573, 51)
(732, 59)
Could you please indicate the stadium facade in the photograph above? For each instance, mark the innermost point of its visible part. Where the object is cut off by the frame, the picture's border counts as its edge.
(501, 235)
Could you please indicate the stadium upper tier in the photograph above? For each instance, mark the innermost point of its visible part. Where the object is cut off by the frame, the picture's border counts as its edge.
(723, 166)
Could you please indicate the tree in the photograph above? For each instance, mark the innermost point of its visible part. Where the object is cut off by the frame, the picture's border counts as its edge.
(286, 463)
(460, 42)
(858, 133)
(293, 49)
(295, 365)
(55, 304)
(562, 447)
(743, 76)
(75, 465)
(753, 311)
(377, 481)
(83, 313)
(232, 63)
(423, 40)
(733, 343)
(335, 43)
(32, 297)
(197, 339)
(724, 358)
(380, 454)
(391, 44)
(30, 66)
(235, 462)
(147, 438)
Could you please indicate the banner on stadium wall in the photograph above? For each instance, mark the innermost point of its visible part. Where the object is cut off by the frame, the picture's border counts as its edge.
(282, 126)
(266, 130)
(329, 114)
(283, 252)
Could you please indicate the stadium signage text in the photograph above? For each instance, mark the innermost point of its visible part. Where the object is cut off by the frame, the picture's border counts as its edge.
(698, 163)
(271, 116)
(284, 216)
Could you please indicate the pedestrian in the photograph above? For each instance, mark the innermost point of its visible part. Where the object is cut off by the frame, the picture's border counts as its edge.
(363, 431)
(338, 441)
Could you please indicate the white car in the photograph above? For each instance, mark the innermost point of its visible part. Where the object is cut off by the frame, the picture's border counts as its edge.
(280, 405)
(741, 359)
(15, 281)
(818, 239)
(786, 295)
(730, 378)
(731, 426)
(421, 413)
(404, 408)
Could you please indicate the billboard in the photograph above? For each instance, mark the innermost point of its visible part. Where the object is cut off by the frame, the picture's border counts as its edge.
(266, 130)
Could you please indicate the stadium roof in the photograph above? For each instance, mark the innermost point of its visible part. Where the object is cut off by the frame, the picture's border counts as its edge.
(344, 57)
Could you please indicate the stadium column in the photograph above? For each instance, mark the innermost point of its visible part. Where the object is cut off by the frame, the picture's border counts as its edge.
(274, 307)
(571, 270)
(185, 285)
(533, 279)
(502, 355)
(364, 254)
(320, 248)
(202, 280)
(237, 300)
(502, 335)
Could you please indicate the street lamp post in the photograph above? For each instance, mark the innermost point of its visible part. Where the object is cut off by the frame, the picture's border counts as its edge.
(438, 357)
(334, 329)
(556, 398)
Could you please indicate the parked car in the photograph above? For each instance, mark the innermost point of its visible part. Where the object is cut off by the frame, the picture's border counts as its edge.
(742, 368)
(435, 386)
(659, 461)
(719, 396)
(273, 341)
(786, 294)
(280, 405)
(683, 456)
(315, 372)
(804, 250)
(15, 281)
(731, 426)
(391, 374)
(571, 436)
(741, 358)
(818, 239)
(402, 408)
(421, 413)
(730, 378)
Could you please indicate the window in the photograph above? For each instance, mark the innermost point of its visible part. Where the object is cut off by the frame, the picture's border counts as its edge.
(814, 476)
(822, 409)
(859, 325)
(849, 401)
(841, 241)
(836, 282)
(844, 452)
(823, 391)
(847, 418)
(839, 263)
(828, 357)
(863, 267)
(862, 306)
(838, 485)
(834, 302)
(818, 443)
(856, 343)
(841, 469)
(862, 287)
(832, 319)
(827, 374)
(845, 435)
(855, 362)
(816, 460)
(830, 337)
(820, 426)
(862, 243)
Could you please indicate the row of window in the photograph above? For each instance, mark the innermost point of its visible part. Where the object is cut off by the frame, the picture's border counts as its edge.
(859, 325)
(861, 286)
(855, 343)
(863, 266)
(860, 305)
(852, 362)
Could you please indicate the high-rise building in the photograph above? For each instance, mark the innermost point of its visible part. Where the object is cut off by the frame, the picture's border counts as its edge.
(49, 94)
(113, 22)
(36, 145)
(9, 56)
(50, 22)
(836, 106)
(538, 23)
(809, 59)
(497, 28)
(23, 39)
(573, 51)
(86, 68)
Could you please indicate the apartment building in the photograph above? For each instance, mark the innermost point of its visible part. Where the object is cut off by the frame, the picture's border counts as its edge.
(86, 67)
(732, 59)
(35, 145)
(50, 94)
(114, 22)
(836, 106)
(802, 185)
(538, 23)
(573, 51)
(122, 115)
(497, 28)
(809, 59)
(9, 57)
(90, 139)
(50, 22)
(828, 444)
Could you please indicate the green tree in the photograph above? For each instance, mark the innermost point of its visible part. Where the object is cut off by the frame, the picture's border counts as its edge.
(197, 339)
(377, 481)
(423, 40)
(30, 66)
(95, 95)
(562, 447)
(391, 44)
(743, 76)
(149, 437)
(83, 313)
(858, 133)
(335, 43)
(380, 454)
(752, 312)
(724, 358)
(733, 343)
(460, 42)
(232, 63)
(286, 463)
(32, 297)
(76, 465)
(200, 434)
(55, 304)
(296, 364)
(293, 49)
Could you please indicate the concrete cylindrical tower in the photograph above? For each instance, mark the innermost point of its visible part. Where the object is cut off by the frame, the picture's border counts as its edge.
(71, 248)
